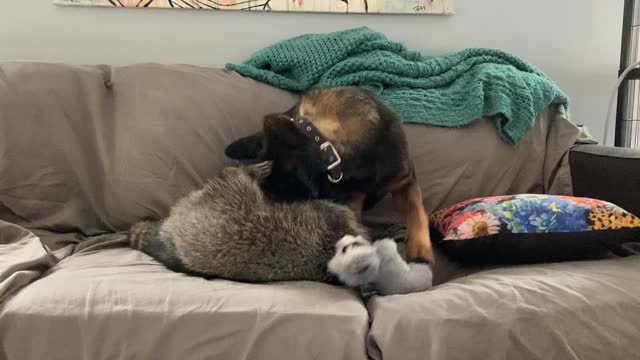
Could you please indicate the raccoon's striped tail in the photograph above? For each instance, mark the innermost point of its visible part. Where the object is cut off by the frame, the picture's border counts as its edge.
(143, 233)
(145, 236)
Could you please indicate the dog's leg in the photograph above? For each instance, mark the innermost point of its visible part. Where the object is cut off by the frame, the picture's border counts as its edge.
(356, 204)
(407, 199)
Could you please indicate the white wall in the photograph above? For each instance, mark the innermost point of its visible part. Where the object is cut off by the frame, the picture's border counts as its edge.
(576, 42)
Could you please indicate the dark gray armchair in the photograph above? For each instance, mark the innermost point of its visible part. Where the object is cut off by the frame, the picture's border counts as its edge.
(607, 173)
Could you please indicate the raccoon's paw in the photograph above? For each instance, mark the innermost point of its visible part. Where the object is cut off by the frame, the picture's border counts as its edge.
(261, 170)
(355, 262)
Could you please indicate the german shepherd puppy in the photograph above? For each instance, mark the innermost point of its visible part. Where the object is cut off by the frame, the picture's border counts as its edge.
(345, 145)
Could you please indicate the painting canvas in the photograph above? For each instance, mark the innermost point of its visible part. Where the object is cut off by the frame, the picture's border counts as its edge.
(442, 7)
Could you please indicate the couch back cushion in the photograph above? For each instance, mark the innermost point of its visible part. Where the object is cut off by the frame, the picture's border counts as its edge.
(93, 149)
(457, 164)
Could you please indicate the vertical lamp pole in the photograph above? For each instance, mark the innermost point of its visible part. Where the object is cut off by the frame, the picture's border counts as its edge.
(627, 131)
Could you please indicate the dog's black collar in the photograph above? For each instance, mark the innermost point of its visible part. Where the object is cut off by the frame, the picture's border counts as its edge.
(328, 152)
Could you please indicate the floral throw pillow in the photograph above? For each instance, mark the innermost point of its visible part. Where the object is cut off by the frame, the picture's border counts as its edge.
(533, 228)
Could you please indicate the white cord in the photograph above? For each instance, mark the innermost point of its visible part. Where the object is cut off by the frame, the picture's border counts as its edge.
(607, 121)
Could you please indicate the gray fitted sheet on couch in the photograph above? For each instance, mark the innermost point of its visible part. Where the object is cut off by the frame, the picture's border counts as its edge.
(574, 310)
(107, 301)
(110, 302)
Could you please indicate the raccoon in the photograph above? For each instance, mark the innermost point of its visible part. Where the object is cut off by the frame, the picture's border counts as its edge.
(229, 229)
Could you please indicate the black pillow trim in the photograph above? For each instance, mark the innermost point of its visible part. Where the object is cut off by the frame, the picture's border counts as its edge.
(509, 248)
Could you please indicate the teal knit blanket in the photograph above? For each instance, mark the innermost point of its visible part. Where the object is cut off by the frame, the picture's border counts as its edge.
(449, 91)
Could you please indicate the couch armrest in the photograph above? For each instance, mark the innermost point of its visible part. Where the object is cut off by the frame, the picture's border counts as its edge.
(607, 173)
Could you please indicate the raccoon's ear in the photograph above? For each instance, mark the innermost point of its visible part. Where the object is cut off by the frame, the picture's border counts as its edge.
(248, 147)
(260, 171)
(280, 128)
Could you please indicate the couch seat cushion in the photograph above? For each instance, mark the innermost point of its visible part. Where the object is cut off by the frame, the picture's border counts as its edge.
(574, 310)
(118, 303)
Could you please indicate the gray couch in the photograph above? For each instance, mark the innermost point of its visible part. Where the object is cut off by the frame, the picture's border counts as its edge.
(85, 151)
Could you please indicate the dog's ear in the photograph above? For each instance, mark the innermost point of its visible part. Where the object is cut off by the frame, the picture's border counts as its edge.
(280, 128)
(248, 147)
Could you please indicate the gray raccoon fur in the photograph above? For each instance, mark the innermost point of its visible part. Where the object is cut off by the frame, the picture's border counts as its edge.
(229, 229)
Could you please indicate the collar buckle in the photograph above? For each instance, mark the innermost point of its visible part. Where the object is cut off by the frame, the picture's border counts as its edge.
(336, 162)
(335, 156)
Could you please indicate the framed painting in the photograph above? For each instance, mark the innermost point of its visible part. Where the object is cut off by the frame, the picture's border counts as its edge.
(417, 7)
